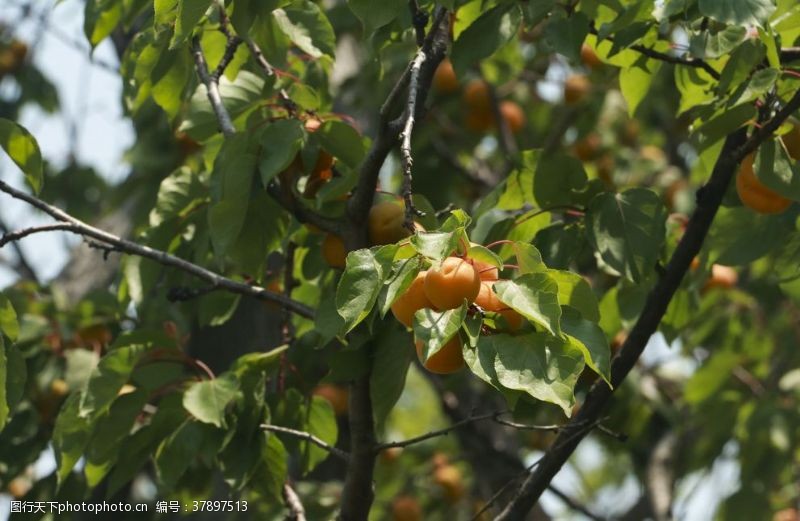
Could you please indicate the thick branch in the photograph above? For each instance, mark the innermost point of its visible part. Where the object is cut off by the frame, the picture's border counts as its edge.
(736, 147)
(307, 436)
(132, 248)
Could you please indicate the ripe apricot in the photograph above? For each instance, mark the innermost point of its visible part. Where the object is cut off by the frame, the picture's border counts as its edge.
(449, 478)
(19, 486)
(406, 508)
(576, 88)
(754, 194)
(444, 79)
(448, 359)
(792, 142)
(721, 277)
(386, 223)
(513, 115)
(588, 147)
(454, 281)
(787, 514)
(336, 395)
(411, 301)
(476, 95)
(486, 271)
(479, 120)
(333, 251)
(312, 124)
(590, 58)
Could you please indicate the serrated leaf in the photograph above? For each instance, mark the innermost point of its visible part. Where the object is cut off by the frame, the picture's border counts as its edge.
(434, 328)
(100, 17)
(534, 296)
(274, 470)
(738, 12)
(528, 258)
(359, 287)
(565, 35)
(321, 422)
(590, 340)
(557, 178)
(627, 230)
(23, 149)
(375, 15)
(635, 81)
(436, 245)
(189, 14)
(403, 274)
(8, 319)
(307, 27)
(777, 170)
(111, 373)
(280, 143)
(177, 196)
(574, 291)
(190, 441)
(70, 436)
(208, 400)
(342, 141)
(544, 366)
(488, 33)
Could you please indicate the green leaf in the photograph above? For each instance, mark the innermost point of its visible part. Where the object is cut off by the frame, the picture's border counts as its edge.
(307, 27)
(70, 435)
(175, 454)
(189, 14)
(274, 470)
(493, 29)
(179, 193)
(535, 296)
(434, 328)
(15, 379)
(403, 274)
(574, 291)
(528, 258)
(544, 366)
(100, 17)
(208, 400)
(718, 127)
(169, 77)
(4, 408)
(246, 11)
(635, 81)
(280, 143)
(710, 377)
(342, 141)
(321, 422)
(590, 340)
(739, 236)
(627, 230)
(777, 170)
(359, 287)
(111, 373)
(565, 35)
(375, 15)
(24, 151)
(8, 319)
(557, 178)
(710, 45)
(436, 245)
(738, 12)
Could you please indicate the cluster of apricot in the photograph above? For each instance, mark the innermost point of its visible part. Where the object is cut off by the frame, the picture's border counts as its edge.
(480, 115)
(448, 286)
(12, 56)
(755, 194)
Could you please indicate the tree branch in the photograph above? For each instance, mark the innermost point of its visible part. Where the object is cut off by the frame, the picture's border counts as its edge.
(437, 433)
(405, 136)
(22, 266)
(735, 148)
(293, 503)
(211, 83)
(572, 504)
(115, 243)
(307, 436)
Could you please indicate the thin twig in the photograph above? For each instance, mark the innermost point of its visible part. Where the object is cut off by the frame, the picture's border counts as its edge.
(436, 433)
(109, 240)
(288, 284)
(20, 234)
(293, 503)
(572, 504)
(212, 89)
(405, 136)
(307, 436)
(419, 19)
(22, 265)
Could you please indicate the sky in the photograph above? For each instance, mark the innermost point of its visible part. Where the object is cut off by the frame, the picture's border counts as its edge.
(90, 96)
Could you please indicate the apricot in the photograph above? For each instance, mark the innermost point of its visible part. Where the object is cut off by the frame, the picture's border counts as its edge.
(453, 282)
(787, 514)
(590, 58)
(324, 161)
(476, 96)
(447, 360)
(312, 124)
(479, 120)
(754, 194)
(449, 478)
(333, 251)
(513, 115)
(721, 277)
(336, 395)
(576, 88)
(59, 388)
(444, 79)
(791, 141)
(486, 271)
(19, 487)
(386, 223)
(406, 508)
(316, 181)
(587, 148)
(411, 301)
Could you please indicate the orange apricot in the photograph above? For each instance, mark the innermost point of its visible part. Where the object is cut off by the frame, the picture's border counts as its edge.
(479, 120)
(386, 223)
(754, 194)
(488, 300)
(513, 115)
(590, 58)
(444, 79)
(406, 508)
(336, 395)
(333, 251)
(485, 270)
(448, 477)
(453, 282)
(447, 360)
(588, 147)
(411, 301)
(576, 88)
(476, 95)
(721, 277)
